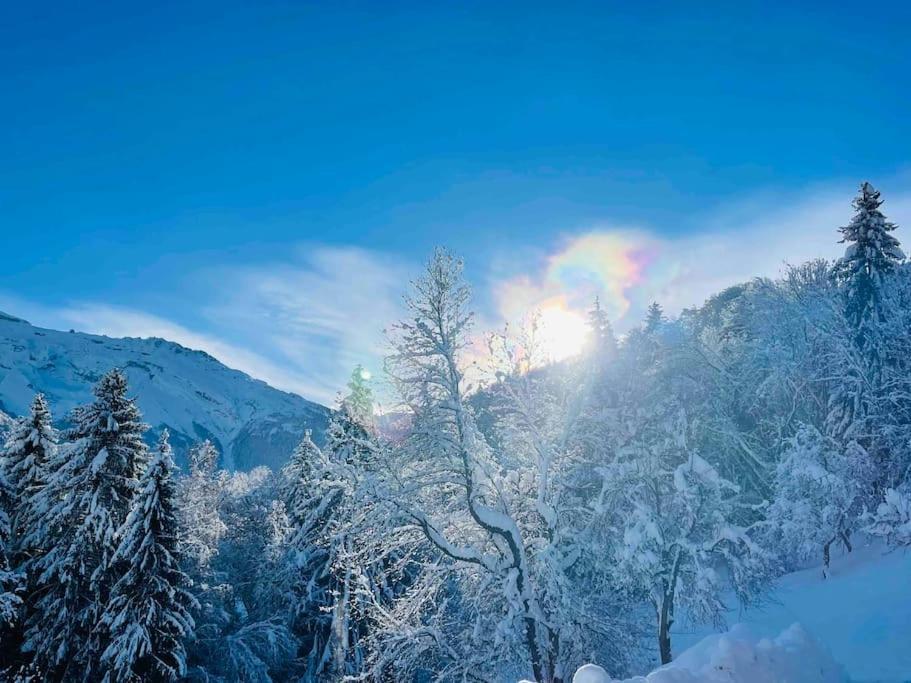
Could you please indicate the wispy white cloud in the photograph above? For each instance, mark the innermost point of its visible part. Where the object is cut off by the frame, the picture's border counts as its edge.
(301, 324)
(323, 312)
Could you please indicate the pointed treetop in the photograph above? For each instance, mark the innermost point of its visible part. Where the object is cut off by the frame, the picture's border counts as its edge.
(602, 334)
(163, 449)
(871, 253)
(203, 457)
(654, 317)
(359, 401)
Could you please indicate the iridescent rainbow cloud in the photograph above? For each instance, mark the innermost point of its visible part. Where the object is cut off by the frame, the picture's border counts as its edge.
(609, 264)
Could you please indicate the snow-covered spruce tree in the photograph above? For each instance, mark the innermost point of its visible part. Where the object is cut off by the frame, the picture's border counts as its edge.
(91, 482)
(148, 615)
(865, 273)
(821, 491)
(11, 582)
(871, 255)
(30, 445)
(602, 343)
(654, 317)
(504, 587)
(198, 495)
(359, 400)
(310, 498)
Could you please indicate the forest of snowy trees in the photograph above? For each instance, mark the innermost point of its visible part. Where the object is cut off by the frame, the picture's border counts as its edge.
(524, 518)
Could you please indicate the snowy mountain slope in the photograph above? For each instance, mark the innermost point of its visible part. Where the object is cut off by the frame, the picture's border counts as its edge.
(187, 391)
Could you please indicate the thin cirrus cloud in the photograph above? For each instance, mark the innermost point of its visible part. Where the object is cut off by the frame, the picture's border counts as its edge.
(322, 314)
(300, 325)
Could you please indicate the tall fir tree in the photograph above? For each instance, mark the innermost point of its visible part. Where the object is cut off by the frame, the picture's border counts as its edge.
(603, 342)
(148, 616)
(654, 317)
(359, 400)
(859, 408)
(11, 583)
(30, 446)
(90, 486)
(871, 255)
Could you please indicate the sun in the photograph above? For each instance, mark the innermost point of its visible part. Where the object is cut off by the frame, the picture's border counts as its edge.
(562, 333)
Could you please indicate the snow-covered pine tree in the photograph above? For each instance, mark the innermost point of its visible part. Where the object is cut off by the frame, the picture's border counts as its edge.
(359, 400)
(11, 583)
(311, 500)
(862, 404)
(148, 615)
(30, 445)
(603, 343)
(872, 254)
(91, 483)
(654, 317)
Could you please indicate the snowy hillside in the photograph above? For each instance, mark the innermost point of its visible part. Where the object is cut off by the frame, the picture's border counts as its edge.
(860, 612)
(187, 391)
(852, 625)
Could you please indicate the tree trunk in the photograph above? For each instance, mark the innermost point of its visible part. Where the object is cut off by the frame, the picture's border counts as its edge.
(664, 632)
(826, 556)
(846, 539)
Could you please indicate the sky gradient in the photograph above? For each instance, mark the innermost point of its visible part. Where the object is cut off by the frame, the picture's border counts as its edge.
(261, 179)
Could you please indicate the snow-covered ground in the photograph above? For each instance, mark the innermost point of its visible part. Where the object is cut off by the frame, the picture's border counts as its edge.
(861, 613)
(852, 626)
(739, 656)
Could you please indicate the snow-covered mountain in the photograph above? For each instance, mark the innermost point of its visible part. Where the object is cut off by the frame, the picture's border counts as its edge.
(187, 391)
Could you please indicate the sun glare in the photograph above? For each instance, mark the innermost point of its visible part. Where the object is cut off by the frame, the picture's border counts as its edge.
(562, 333)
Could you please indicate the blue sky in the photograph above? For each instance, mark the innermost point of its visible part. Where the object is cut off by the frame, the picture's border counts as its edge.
(260, 179)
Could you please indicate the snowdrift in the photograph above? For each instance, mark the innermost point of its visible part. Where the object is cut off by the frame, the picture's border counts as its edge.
(738, 656)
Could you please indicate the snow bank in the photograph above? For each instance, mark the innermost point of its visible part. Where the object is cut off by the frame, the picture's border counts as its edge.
(740, 657)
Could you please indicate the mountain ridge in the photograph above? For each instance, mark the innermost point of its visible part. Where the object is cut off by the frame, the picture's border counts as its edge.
(185, 390)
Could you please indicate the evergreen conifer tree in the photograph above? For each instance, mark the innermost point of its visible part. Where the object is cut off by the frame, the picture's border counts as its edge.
(603, 342)
(149, 611)
(654, 317)
(90, 487)
(30, 445)
(872, 254)
(10, 581)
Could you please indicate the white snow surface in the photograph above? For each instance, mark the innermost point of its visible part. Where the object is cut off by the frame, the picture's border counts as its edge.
(851, 626)
(187, 391)
(860, 612)
(739, 656)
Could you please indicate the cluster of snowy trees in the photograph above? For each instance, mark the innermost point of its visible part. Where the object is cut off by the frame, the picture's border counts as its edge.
(522, 519)
(93, 588)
